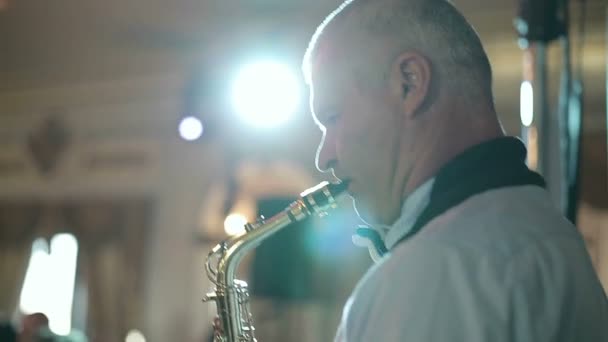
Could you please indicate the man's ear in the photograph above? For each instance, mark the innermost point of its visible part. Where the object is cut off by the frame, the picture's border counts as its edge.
(411, 78)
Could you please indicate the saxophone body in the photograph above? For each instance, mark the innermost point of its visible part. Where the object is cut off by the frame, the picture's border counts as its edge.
(234, 321)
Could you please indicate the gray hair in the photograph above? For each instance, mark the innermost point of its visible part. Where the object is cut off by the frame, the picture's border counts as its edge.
(434, 28)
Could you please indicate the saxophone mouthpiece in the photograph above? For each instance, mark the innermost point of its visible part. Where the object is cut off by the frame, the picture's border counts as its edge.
(323, 195)
(339, 187)
(335, 188)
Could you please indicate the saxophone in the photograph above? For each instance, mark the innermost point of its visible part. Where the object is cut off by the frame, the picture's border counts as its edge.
(234, 321)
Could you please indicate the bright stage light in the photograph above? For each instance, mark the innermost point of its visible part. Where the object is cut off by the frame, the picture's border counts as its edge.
(234, 224)
(190, 128)
(266, 93)
(135, 336)
(526, 104)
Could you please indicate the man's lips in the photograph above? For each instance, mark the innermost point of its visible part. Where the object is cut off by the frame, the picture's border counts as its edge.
(343, 179)
(347, 183)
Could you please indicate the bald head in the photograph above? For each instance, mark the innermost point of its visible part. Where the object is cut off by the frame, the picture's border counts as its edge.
(399, 88)
(370, 34)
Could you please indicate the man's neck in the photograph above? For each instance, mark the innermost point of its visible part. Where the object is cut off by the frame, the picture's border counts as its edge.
(450, 137)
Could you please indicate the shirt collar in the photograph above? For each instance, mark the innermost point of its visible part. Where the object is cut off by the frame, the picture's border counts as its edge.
(390, 235)
(412, 207)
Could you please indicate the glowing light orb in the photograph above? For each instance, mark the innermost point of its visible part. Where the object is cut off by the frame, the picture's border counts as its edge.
(190, 128)
(135, 336)
(266, 94)
(234, 224)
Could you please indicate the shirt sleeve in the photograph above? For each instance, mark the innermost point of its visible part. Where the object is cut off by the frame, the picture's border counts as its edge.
(429, 293)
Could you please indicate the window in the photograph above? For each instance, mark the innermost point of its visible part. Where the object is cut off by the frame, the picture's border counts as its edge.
(49, 281)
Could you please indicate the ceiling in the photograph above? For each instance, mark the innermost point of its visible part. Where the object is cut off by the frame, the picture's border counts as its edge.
(46, 43)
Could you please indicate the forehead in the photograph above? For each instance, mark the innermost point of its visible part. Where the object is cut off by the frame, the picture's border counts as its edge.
(329, 74)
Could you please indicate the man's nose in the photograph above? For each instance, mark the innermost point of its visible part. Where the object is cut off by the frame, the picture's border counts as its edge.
(326, 153)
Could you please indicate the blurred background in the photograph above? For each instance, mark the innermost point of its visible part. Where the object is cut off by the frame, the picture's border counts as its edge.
(136, 135)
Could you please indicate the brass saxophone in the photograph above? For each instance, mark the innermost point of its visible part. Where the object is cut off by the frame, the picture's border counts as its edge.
(234, 321)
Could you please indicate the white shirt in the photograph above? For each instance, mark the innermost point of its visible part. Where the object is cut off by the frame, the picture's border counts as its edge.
(504, 265)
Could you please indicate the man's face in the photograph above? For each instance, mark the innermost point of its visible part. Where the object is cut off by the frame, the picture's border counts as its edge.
(362, 138)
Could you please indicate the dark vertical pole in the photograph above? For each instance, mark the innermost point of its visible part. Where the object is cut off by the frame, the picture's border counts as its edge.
(539, 22)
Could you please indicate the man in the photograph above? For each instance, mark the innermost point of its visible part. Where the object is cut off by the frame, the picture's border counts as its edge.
(470, 247)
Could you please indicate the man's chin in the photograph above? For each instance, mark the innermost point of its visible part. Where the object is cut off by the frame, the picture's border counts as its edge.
(363, 212)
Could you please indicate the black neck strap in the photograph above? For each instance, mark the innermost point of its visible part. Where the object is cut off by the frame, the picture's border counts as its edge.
(491, 165)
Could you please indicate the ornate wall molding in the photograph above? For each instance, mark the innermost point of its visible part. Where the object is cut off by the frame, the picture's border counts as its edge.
(47, 143)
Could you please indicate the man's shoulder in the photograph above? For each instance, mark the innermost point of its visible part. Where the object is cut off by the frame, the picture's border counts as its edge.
(483, 237)
(498, 223)
(422, 269)
(493, 255)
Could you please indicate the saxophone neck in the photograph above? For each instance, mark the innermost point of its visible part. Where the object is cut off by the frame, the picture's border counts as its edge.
(315, 201)
(231, 295)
